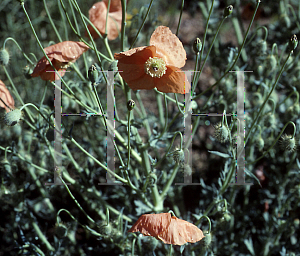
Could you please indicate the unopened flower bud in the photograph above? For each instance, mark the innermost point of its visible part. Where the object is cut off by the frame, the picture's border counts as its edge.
(260, 143)
(61, 230)
(27, 71)
(197, 46)
(4, 57)
(228, 10)
(288, 143)
(130, 105)
(271, 63)
(221, 132)
(13, 117)
(262, 47)
(293, 43)
(93, 74)
(178, 156)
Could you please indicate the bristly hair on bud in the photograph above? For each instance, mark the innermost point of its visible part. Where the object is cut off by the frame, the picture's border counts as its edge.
(4, 57)
(13, 117)
(288, 143)
(221, 132)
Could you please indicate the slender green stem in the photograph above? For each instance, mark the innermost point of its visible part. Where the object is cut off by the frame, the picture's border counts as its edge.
(267, 98)
(128, 143)
(142, 25)
(236, 59)
(123, 2)
(278, 137)
(12, 39)
(51, 21)
(203, 44)
(75, 201)
(206, 57)
(99, 163)
(177, 103)
(169, 183)
(17, 94)
(180, 17)
(209, 222)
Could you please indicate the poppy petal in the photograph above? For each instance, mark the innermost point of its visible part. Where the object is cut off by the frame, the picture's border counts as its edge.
(169, 46)
(167, 228)
(6, 97)
(145, 82)
(59, 54)
(131, 63)
(97, 15)
(66, 51)
(174, 81)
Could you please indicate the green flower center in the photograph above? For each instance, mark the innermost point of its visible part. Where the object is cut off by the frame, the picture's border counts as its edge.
(155, 67)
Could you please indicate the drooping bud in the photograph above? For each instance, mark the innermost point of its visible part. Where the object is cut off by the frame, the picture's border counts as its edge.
(61, 230)
(288, 143)
(13, 117)
(27, 71)
(197, 46)
(221, 132)
(4, 57)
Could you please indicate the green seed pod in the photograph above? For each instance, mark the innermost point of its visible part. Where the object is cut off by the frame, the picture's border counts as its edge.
(130, 105)
(293, 43)
(197, 45)
(13, 117)
(4, 57)
(228, 10)
(93, 74)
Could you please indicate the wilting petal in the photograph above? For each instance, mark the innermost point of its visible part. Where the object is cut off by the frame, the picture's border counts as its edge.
(167, 228)
(168, 46)
(50, 75)
(60, 54)
(6, 97)
(67, 51)
(174, 81)
(97, 15)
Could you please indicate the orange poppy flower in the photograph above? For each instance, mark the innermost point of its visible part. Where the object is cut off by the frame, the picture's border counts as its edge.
(97, 15)
(6, 97)
(61, 55)
(157, 65)
(167, 228)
